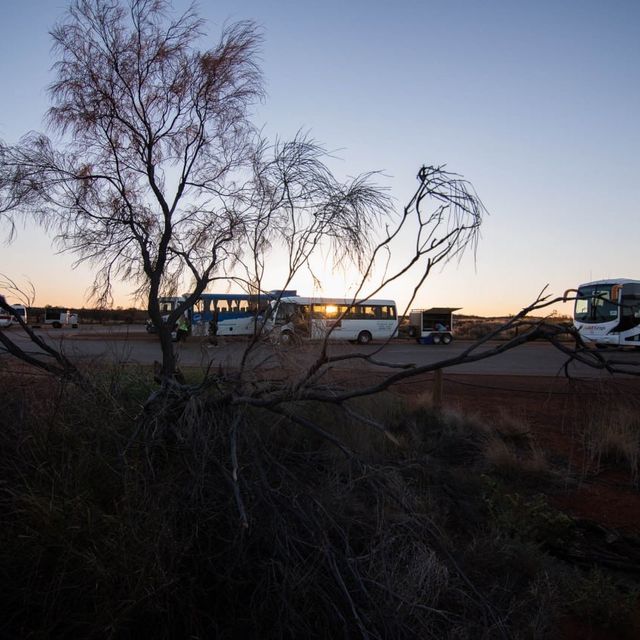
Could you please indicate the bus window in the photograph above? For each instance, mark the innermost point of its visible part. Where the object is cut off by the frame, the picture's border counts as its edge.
(371, 312)
(285, 311)
(318, 311)
(594, 304)
(630, 307)
(199, 306)
(582, 308)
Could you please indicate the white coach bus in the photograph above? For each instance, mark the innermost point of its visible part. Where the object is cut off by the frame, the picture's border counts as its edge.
(607, 312)
(297, 317)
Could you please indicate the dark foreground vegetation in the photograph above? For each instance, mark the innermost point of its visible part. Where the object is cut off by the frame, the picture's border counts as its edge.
(205, 521)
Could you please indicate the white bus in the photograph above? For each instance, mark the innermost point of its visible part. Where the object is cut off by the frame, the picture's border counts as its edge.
(231, 314)
(228, 314)
(607, 312)
(20, 310)
(296, 317)
(7, 319)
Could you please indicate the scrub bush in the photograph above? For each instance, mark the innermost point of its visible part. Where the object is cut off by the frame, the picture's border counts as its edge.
(192, 518)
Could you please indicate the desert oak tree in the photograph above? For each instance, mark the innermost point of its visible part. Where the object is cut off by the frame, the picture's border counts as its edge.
(157, 174)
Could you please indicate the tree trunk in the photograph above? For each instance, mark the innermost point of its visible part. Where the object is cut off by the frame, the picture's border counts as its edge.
(168, 354)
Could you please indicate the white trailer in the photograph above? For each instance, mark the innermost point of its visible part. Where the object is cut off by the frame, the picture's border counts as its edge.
(432, 326)
(59, 318)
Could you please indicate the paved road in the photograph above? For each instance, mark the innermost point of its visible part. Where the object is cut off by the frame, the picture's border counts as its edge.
(133, 345)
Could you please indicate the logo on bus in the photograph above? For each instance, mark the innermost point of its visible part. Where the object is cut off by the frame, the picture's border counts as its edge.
(594, 328)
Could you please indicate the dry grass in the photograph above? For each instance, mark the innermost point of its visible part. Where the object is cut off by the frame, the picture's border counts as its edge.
(511, 450)
(505, 446)
(507, 460)
(195, 519)
(613, 437)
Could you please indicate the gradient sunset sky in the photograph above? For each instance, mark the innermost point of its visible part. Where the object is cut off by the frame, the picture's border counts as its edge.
(537, 104)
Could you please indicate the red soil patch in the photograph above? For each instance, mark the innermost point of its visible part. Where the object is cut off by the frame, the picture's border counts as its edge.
(556, 411)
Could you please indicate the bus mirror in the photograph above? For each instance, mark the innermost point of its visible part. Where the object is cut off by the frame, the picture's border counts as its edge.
(615, 292)
(566, 294)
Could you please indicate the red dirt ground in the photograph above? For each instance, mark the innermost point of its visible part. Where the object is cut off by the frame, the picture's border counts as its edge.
(556, 411)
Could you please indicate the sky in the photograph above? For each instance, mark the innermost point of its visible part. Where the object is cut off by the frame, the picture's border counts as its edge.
(535, 103)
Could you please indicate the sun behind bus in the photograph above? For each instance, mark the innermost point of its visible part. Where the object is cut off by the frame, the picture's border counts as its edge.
(339, 318)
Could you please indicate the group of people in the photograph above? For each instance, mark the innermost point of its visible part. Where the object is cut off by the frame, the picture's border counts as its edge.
(183, 329)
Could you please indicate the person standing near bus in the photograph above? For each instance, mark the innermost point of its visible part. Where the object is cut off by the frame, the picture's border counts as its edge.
(183, 329)
(213, 328)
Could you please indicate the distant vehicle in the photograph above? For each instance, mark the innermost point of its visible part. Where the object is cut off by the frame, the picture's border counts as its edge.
(607, 312)
(167, 305)
(228, 314)
(231, 314)
(7, 319)
(21, 311)
(432, 326)
(59, 318)
(295, 318)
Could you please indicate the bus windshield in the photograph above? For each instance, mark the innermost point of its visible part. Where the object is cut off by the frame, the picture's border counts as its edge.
(595, 305)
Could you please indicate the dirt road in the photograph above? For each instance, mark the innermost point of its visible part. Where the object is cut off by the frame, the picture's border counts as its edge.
(131, 344)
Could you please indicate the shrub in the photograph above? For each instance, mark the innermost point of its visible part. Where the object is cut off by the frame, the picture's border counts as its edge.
(612, 434)
(195, 518)
(604, 601)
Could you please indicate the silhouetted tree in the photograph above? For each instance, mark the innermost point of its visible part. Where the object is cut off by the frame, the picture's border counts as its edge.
(158, 171)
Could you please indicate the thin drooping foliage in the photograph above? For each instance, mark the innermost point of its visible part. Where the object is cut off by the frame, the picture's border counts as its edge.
(157, 174)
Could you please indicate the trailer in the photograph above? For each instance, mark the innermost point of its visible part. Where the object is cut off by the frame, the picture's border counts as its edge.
(432, 326)
(59, 318)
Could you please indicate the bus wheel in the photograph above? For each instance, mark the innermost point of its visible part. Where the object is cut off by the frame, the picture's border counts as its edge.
(447, 338)
(364, 337)
(437, 339)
